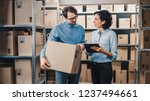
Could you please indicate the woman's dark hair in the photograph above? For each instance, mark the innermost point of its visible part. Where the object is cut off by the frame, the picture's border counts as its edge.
(68, 9)
(105, 16)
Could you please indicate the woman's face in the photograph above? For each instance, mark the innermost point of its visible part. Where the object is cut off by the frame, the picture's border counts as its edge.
(98, 23)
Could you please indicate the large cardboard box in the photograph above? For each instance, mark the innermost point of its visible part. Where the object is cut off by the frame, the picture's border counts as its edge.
(116, 65)
(23, 12)
(145, 39)
(9, 43)
(63, 57)
(145, 77)
(6, 12)
(50, 18)
(145, 57)
(50, 2)
(145, 2)
(88, 76)
(134, 38)
(121, 76)
(23, 70)
(122, 53)
(122, 38)
(114, 21)
(145, 18)
(83, 73)
(91, 8)
(107, 7)
(81, 20)
(6, 75)
(89, 21)
(131, 7)
(132, 77)
(25, 44)
(119, 8)
(124, 22)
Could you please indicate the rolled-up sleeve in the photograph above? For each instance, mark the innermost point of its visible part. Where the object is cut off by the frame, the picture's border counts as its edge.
(113, 45)
(51, 37)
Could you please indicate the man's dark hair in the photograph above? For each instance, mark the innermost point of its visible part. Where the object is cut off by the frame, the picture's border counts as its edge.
(105, 16)
(68, 9)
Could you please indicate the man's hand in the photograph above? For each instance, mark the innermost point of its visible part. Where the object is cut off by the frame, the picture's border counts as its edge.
(81, 47)
(44, 64)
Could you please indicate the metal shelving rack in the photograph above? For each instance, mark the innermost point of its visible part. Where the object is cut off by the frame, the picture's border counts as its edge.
(97, 2)
(141, 29)
(28, 27)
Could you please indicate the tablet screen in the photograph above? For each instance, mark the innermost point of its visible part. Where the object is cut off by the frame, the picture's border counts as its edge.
(88, 47)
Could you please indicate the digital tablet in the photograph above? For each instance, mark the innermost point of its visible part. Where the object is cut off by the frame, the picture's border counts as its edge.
(88, 47)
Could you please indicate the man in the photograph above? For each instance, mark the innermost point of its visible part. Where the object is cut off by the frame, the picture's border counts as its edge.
(67, 32)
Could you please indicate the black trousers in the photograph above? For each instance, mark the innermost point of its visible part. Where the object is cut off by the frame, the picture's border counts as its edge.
(101, 73)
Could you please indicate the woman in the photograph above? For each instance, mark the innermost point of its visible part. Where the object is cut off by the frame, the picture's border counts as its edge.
(101, 68)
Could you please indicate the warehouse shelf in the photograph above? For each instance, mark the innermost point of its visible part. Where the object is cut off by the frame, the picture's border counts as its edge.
(49, 7)
(33, 27)
(115, 29)
(17, 57)
(92, 2)
(145, 50)
(19, 27)
(126, 45)
(142, 7)
(91, 13)
(145, 28)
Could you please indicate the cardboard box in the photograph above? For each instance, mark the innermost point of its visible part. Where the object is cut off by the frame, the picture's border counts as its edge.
(88, 76)
(8, 42)
(6, 75)
(116, 65)
(50, 2)
(25, 44)
(83, 73)
(122, 38)
(145, 2)
(131, 7)
(79, 8)
(131, 66)
(133, 53)
(134, 38)
(132, 77)
(121, 76)
(119, 8)
(122, 53)
(50, 18)
(89, 21)
(134, 23)
(114, 21)
(145, 57)
(84, 56)
(81, 20)
(145, 77)
(88, 36)
(6, 11)
(23, 70)
(23, 12)
(145, 18)
(145, 39)
(107, 7)
(91, 8)
(63, 57)
(124, 22)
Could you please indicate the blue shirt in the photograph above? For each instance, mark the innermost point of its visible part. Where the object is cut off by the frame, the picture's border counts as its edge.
(108, 41)
(66, 33)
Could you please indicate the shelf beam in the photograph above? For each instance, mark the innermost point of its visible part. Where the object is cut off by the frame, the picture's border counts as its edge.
(95, 2)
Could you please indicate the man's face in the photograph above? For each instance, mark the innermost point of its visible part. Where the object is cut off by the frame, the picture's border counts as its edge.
(71, 18)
